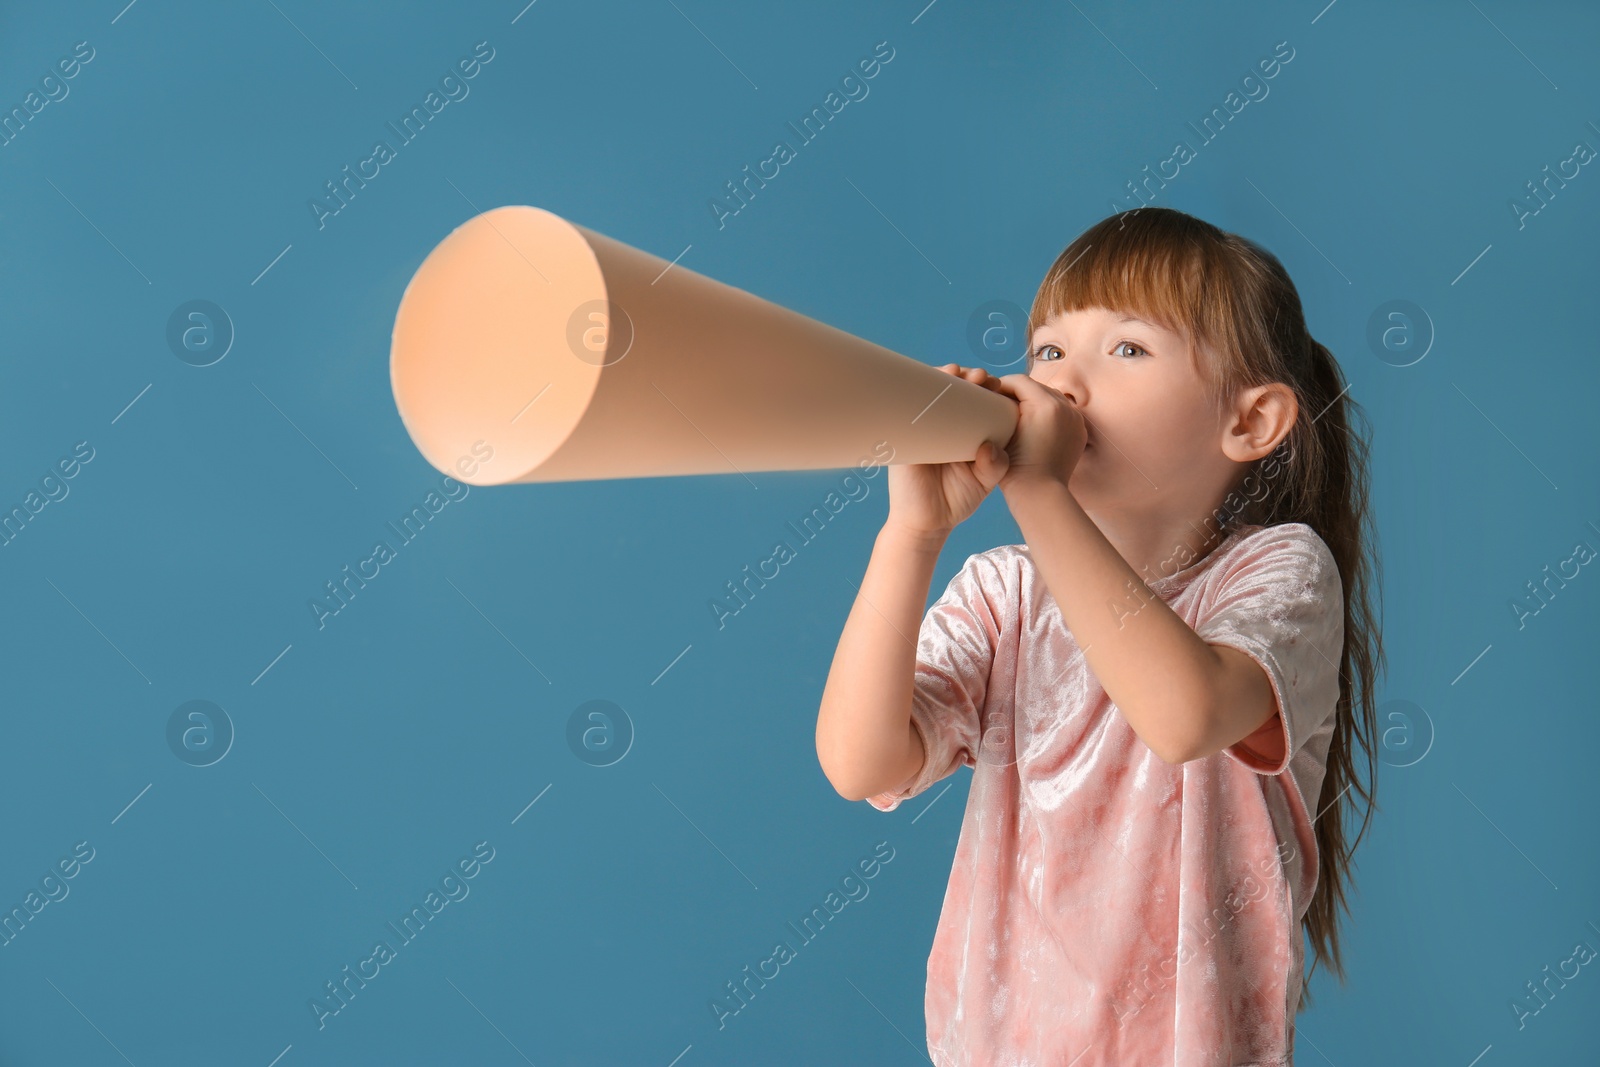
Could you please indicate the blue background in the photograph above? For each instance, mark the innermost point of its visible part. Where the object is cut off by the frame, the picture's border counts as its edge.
(371, 754)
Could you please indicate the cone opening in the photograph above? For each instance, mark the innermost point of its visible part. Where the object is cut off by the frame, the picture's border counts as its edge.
(499, 343)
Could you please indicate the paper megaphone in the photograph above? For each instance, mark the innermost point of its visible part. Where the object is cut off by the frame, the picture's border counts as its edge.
(573, 356)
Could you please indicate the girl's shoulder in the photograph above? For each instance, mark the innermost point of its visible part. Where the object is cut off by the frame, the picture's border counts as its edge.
(1011, 568)
(1002, 565)
(1286, 548)
(1000, 556)
(1003, 574)
(1299, 531)
(1253, 539)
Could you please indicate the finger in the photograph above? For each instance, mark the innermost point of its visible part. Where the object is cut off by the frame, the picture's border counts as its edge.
(1023, 386)
(1006, 386)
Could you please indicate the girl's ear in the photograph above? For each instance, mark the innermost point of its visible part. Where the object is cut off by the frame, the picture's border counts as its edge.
(1259, 418)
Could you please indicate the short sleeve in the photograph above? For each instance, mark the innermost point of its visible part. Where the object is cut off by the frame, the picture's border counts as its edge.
(1281, 602)
(955, 651)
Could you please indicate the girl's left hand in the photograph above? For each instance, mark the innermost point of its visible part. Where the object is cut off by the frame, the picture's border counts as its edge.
(1050, 436)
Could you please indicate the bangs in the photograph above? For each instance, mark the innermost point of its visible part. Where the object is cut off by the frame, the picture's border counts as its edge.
(1175, 276)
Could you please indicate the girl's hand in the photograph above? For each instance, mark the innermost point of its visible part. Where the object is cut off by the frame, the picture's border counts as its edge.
(1050, 436)
(931, 499)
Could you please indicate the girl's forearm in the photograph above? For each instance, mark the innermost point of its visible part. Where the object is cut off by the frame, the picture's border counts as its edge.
(865, 740)
(1156, 669)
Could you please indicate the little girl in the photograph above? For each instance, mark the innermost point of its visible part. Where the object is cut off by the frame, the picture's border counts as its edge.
(1157, 692)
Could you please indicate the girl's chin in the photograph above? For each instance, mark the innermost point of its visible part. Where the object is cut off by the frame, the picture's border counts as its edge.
(1086, 472)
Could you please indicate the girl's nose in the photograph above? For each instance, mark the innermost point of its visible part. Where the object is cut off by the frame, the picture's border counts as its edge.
(1065, 382)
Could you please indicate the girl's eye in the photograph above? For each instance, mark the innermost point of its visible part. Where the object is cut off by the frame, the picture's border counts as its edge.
(1041, 353)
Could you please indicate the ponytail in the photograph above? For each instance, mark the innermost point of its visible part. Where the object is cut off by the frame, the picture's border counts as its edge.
(1333, 485)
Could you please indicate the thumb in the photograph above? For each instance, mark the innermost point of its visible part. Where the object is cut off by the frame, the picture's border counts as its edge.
(993, 462)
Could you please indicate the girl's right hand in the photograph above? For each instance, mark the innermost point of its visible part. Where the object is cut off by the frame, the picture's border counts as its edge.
(931, 499)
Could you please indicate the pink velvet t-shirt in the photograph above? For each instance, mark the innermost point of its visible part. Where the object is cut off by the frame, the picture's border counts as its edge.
(1105, 908)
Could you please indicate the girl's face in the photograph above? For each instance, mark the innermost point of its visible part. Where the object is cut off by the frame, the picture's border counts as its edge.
(1153, 433)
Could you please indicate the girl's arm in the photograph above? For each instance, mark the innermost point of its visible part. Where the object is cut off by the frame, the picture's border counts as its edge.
(1185, 698)
(866, 741)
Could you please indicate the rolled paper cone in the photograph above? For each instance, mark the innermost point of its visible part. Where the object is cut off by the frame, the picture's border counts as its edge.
(567, 355)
